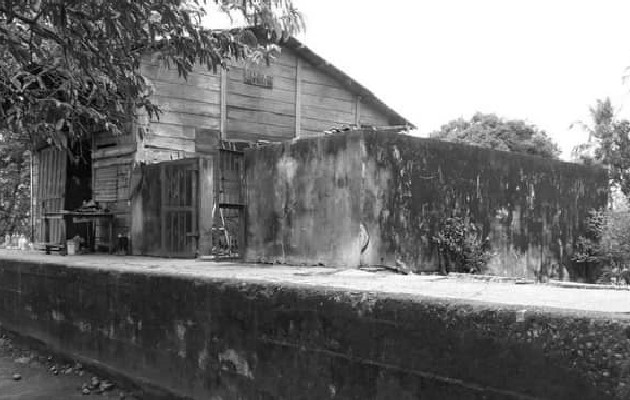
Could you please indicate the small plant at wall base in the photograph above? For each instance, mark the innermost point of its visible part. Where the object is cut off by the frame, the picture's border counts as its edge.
(461, 246)
(604, 251)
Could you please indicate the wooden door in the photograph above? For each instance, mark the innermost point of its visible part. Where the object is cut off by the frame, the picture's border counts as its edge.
(170, 209)
(53, 167)
(179, 207)
(231, 175)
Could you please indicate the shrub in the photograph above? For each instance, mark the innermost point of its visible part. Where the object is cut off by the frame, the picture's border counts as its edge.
(606, 245)
(462, 246)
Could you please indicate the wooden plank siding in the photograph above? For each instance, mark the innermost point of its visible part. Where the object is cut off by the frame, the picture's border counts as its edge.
(255, 112)
(188, 106)
(372, 116)
(35, 185)
(325, 103)
(223, 106)
(51, 191)
(111, 189)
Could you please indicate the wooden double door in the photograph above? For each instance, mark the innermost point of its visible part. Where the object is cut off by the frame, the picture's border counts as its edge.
(170, 199)
(191, 207)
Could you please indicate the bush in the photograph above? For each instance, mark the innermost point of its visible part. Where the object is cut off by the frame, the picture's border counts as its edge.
(606, 245)
(462, 246)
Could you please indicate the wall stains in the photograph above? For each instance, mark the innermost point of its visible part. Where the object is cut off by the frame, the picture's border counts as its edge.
(308, 202)
(247, 340)
(231, 360)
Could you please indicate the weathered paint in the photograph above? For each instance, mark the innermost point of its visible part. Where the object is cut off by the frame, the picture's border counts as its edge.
(166, 199)
(375, 198)
(233, 339)
(303, 202)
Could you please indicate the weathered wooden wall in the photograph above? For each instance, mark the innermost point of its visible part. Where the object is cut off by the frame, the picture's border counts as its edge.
(50, 190)
(35, 187)
(187, 127)
(375, 198)
(326, 104)
(300, 90)
(189, 124)
(112, 161)
(59, 183)
(256, 112)
(173, 204)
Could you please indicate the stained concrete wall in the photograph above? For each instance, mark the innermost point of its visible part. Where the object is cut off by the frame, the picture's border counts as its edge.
(375, 198)
(229, 339)
(304, 202)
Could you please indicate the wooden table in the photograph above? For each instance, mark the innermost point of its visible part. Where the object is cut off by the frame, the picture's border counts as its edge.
(70, 218)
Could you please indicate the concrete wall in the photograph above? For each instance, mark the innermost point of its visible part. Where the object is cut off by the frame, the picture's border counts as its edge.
(221, 339)
(375, 198)
(304, 202)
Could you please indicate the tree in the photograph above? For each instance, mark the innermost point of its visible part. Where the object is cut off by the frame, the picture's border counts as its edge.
(14, 186)
(69, 68)
(608, 144)
(490, 131)
(602, 121)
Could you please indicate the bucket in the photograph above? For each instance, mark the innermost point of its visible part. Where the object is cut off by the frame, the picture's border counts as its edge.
(72, 247)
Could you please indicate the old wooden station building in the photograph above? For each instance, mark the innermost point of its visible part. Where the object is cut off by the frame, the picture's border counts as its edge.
(173, 186)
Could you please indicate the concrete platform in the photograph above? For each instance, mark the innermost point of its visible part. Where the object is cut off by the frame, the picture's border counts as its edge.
(557, 296)
(223, 331)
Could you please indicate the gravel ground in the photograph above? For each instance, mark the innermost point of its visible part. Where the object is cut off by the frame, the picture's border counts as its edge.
(28, 374)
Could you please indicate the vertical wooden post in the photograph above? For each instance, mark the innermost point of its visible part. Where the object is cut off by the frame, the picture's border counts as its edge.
(32, 238)
(195, 209)
(298, 96)
(357, 112)
(223, 123)
(206, 198)
(162, 211)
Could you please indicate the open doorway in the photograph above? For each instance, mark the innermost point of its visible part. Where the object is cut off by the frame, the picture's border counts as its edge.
(228, 229)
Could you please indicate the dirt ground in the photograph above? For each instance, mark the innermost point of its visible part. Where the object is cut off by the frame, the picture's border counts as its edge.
(575, 297)
(29, 374)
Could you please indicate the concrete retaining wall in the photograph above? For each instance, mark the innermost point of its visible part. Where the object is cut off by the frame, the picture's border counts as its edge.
(221, 339)
(376, 198)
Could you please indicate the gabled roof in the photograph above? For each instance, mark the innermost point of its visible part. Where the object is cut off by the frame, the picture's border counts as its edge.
(319, 62)
(350, 84)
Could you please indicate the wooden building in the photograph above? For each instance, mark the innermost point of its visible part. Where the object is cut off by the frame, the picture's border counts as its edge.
(174, 183)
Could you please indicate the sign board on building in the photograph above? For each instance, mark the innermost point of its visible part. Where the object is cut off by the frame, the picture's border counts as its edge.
(257, 78)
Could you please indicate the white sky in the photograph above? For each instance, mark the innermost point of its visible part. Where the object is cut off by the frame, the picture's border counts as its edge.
(435, 60)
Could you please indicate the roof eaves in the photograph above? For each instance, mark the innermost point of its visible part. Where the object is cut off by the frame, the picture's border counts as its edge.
(352, 85)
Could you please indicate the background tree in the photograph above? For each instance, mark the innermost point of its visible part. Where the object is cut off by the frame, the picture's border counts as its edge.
(490, 131)
(608, 144)
(602, 120)
(69, 68)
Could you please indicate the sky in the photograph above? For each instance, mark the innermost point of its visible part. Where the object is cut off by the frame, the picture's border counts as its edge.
(432, 61)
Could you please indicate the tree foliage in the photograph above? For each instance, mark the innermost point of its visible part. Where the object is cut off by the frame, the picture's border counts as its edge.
(490, 131)
(602, 119)
(461, 246)
(69, 68)
(608, 144)
(14, 186)
(605, 245)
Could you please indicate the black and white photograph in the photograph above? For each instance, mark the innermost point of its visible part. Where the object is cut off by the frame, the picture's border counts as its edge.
(315, 200)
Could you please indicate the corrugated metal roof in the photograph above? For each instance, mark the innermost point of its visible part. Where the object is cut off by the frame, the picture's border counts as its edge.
(366, 95)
